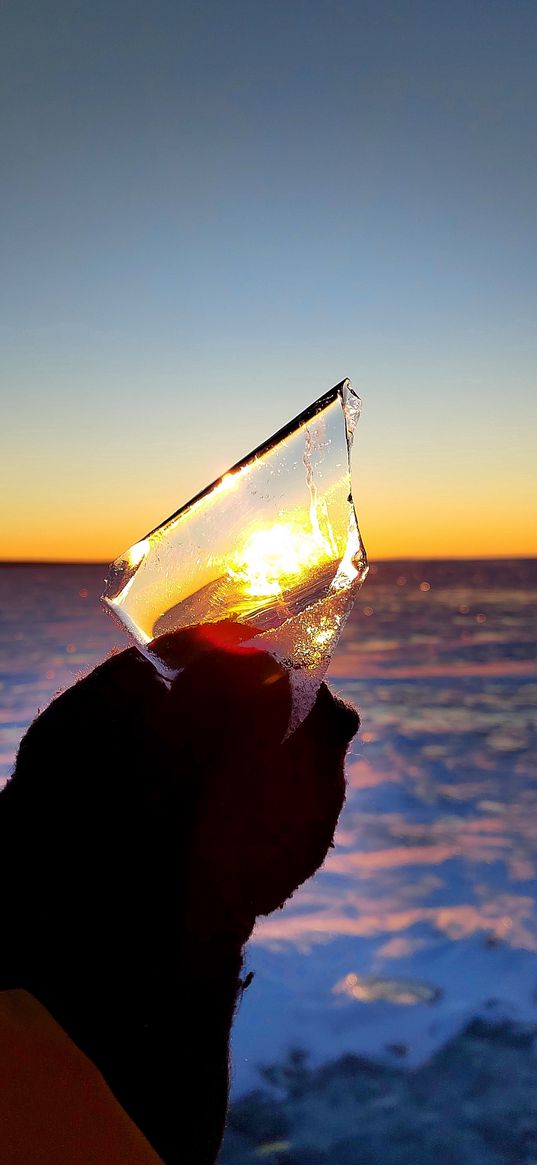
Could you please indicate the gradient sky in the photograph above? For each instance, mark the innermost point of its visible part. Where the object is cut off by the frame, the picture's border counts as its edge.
(212, 212)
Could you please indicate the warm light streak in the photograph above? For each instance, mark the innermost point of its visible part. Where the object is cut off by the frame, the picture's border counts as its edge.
(133, 557)
(137, 552)
(228, 482)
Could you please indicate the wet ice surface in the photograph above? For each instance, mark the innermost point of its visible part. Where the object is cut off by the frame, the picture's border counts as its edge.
(426, 912)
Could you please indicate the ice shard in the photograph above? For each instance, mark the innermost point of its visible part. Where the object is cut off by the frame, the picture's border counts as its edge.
(273, 545)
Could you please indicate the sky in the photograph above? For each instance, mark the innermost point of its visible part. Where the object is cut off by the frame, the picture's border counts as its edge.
(213, 212)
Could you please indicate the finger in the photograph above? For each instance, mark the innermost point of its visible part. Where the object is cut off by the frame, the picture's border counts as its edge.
(333, 717)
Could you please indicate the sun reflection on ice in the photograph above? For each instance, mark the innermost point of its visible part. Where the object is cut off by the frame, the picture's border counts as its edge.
(274, 559)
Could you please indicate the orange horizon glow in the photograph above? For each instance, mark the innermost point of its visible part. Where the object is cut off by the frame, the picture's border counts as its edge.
(428, 537)
(436, 510)
(105, 559)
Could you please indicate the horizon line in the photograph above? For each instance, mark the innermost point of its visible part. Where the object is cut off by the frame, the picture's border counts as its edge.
(380, 558)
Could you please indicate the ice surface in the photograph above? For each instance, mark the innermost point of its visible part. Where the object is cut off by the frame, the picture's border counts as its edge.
(274, 544)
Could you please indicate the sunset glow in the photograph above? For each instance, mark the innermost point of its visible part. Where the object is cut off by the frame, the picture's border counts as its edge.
(170, 303)
(41, 521)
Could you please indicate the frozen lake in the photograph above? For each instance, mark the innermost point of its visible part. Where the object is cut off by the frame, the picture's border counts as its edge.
(426, 911)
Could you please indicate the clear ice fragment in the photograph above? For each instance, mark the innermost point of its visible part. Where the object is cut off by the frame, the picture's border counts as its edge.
(274, 545)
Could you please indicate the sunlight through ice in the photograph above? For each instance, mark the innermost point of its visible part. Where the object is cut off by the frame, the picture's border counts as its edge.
(273, 546)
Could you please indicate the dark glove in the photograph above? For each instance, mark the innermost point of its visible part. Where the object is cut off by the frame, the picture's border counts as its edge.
(145, 828)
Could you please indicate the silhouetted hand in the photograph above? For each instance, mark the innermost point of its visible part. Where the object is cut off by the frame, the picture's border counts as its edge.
(146, 827)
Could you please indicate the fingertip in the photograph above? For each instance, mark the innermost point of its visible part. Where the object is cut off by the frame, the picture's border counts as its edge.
(343, 716)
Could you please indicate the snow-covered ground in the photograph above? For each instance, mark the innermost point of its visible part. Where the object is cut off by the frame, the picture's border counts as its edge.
(425, 913)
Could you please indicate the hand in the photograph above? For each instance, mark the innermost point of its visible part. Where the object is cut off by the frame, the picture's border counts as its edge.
(266, 806)
(146, 827)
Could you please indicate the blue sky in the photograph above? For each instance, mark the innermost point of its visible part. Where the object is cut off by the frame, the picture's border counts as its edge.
(213, 212)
